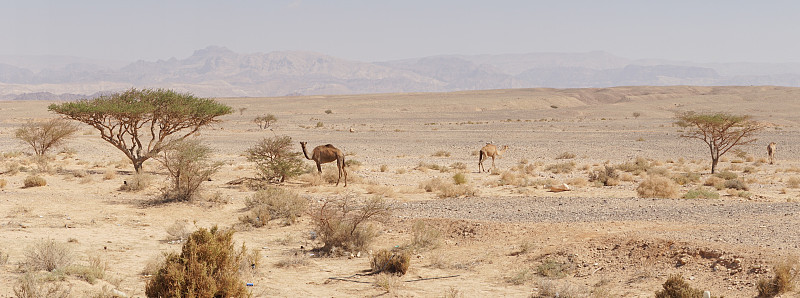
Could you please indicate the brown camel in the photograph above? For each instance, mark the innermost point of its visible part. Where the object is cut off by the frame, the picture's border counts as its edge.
(325, 154)
(771, 152)
(487, 151)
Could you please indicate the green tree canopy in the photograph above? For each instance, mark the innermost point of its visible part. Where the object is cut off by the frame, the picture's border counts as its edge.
(720, 131)
(139, 122)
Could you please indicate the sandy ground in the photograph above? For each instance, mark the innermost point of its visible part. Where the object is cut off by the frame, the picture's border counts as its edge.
(494, 243)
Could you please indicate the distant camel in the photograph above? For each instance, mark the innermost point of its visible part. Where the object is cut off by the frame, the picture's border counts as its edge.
(771, 152)
(325, 154)
(487, 151)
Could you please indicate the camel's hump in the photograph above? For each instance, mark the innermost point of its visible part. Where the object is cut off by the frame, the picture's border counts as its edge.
(329, 146)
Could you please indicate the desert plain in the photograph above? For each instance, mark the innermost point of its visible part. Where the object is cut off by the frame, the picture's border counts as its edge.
(509, 235)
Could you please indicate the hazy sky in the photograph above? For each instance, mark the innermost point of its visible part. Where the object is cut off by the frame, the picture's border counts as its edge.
(376, 30)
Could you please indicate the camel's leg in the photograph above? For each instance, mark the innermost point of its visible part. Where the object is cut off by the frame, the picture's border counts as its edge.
(480, 162)
(492, 161)
(319, 168)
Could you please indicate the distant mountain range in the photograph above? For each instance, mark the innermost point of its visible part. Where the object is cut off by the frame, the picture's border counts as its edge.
(219, 72)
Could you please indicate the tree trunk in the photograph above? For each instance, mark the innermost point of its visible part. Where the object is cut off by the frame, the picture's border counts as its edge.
(714, 162)
(137, 166)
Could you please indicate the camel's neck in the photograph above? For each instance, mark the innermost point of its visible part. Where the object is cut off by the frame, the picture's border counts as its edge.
(304, 150)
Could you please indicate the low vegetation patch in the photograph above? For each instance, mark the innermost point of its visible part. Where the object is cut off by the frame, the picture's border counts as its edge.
(566, 155)
(657, 187)
(676, 286)
(34, 181)
(396, 262)
(561, 168)
(344, 224)
(48, 255)
(607, 176)
(786, 272)
(701, 194)
(274, 203)
(638, 166)
(447, 189)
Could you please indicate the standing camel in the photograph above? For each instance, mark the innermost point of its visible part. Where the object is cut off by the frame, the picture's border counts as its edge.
(487, 151)
(771, 152)
(325, 154)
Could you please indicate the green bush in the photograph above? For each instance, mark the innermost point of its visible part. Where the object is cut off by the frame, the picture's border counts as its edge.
(677, 287)
(274, 158)
(701, 194)
(208, 266)
(460, 178)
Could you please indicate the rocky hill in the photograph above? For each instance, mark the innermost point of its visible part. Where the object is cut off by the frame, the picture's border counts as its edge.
(220, 72)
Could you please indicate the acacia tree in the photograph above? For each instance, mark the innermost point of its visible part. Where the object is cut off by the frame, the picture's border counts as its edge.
(720, 131)
(274, 158)
(265, 121)
(139, 122)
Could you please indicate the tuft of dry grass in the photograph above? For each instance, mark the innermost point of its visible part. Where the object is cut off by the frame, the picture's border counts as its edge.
(178, 231)
(137, 182)
(109, 174)
(34, 181)
(561, 168)
(676, 286)
(786, 272)
(33, 285)
(607, 176)
(274, 203)
(3, 183)
(387, 282)
(715, 181)
(566, 155)
(293, 261)
(447, 189)
(396, 262)
(48, 255)
(381, 190)
(657, 187)
(424, 236)
(793, 182)
(441, 153)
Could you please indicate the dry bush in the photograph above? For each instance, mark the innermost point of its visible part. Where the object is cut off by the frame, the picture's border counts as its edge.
(296, 260)
(727, 175)
(793, 182)
(109, 174)
(32, 285)
(47, 255)
(638, 166)
(178, 231)
(3, 183)
(80, 173)
(459, 179)
(3, 258)
(45, 135)
(566, 155)
(34, 181)
(188, 164)
(94, 269)
(441, 153)
(423, 166)
(657, 187)
(152, 265)
(384, 168)
(137, 182)
(447, 189)
(701, 194)
(577, 181)
(715, 181)
(312, 179)
(627, 177)
(208, 266)
(520, 277)
(424, 236)
(607, 176)
(345, 224)
(396, 262)
(381, 190)
(561, 168)
(458, 166)
(658, 171)
(387, 282)
(686, 178)
(737, 184)
(552, 269)
(555, 289)
(276, 203)
(786, 272)
(676, 286)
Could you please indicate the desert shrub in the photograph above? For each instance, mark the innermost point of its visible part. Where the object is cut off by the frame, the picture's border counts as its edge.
(715, 181)
(274, 158)
(423, 166)
(458, 166)
(208, 266)
(566, 155)
(441, 153)
(265, 121)
(109, 174)
(460, 178)
(737, 184)
(48, 255)
(424, 236)
(607, 176)
(34, 181)
(178, 231)
(446, 189)
(3, 183)
(188, 163)
(792, 182)
(577, 181)
(686, 178)
(727, 175)
(292, 261)
(658, 171)
(345, 224)
(320, 124)
(137, 182)
(552, 268)
(561, 168)
(42, 136)
(328, 112)
(786, 272)
(677, 287)
(701, 194)
(384, 168)
(32, 285)
(279, 203)
(396, 262)
(381, 190)
(94, 269)
(638, 166)
(657, 187)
